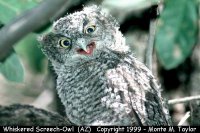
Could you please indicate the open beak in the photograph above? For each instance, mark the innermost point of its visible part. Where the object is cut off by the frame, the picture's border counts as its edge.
(86, 49)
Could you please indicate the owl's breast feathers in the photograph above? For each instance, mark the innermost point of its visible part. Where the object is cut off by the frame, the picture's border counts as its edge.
(139, 89)
(115, 91)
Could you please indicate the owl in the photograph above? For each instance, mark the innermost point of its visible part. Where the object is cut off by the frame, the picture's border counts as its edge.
(99, 81)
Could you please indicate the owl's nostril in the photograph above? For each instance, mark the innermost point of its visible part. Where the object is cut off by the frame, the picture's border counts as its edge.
(90, 48)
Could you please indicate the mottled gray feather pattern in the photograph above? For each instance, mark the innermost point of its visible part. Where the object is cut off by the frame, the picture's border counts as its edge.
(108, 87)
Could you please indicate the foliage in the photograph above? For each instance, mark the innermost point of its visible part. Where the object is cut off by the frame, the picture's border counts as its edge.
(28, 49)
(177, 32)
(12, 68)
(9, 9)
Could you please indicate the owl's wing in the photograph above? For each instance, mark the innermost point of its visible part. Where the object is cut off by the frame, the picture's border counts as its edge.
(139, 90)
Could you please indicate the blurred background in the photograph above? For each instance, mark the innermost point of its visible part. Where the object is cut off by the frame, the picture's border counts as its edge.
(163, 34)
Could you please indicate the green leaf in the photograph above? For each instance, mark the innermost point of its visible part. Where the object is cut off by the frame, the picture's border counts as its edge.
(177, 32)
(12, 69)
(28, 49)
(11, 8)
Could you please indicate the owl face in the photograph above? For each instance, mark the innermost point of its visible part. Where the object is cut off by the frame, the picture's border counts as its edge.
(82, 36)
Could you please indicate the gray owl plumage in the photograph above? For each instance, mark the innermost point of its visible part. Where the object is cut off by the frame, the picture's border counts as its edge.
(99, 81)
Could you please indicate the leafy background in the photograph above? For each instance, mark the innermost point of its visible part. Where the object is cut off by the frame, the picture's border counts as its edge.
(27, 78)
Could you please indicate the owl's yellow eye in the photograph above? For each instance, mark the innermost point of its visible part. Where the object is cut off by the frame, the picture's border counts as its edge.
(65, 43)
(90, 29)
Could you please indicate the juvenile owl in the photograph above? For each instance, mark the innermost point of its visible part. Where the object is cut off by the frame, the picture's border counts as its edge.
(98, 79)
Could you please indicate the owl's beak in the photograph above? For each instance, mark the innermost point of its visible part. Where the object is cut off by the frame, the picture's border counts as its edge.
(86, 49)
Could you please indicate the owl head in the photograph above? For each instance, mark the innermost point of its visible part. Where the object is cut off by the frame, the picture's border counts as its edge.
(82, 36)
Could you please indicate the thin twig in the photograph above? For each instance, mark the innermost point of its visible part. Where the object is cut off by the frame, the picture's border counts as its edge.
(185, 117)
(150, 46)
(184, 100)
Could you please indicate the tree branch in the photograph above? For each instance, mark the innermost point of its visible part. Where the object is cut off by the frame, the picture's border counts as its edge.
(183, 100)
(150, 46)
(27, 115)
(30, 21)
